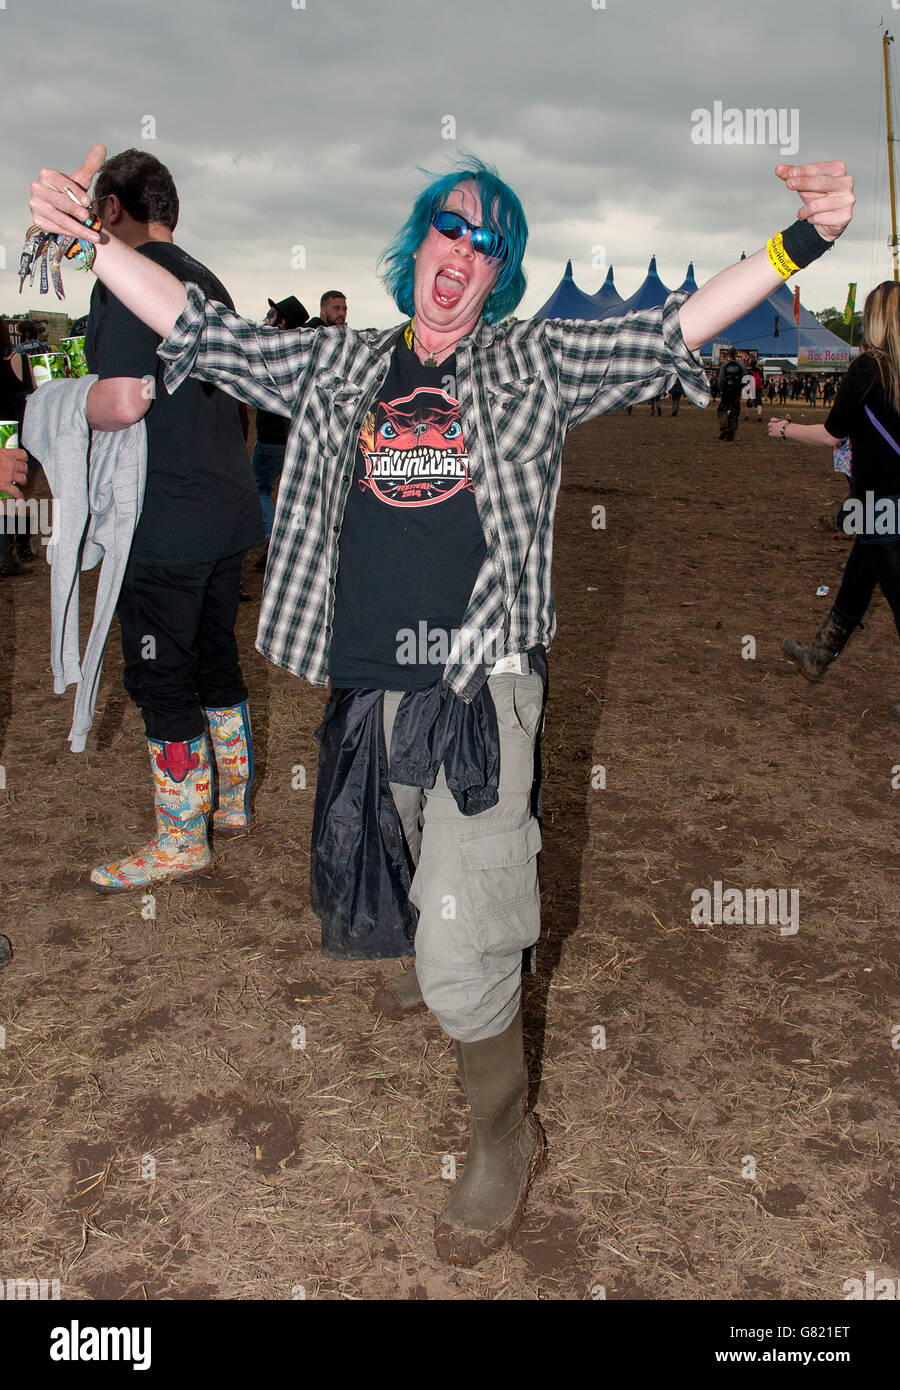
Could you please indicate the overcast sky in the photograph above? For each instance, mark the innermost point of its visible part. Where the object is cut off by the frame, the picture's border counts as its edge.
(288, 126)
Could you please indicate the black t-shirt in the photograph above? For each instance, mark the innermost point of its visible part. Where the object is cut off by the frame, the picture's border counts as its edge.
(411, 543)
(270, 427)
(200, 502)
(876, 468)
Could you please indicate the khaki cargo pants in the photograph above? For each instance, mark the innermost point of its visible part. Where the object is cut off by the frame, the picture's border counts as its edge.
(476, 881)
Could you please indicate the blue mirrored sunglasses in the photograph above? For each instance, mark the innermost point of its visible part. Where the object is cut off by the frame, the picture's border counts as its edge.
(453, 225)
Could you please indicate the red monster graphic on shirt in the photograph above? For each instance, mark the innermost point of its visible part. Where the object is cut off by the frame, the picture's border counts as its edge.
(414, 450)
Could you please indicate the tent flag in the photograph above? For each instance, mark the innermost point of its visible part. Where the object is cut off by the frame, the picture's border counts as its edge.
(850, 306)
(797, 305)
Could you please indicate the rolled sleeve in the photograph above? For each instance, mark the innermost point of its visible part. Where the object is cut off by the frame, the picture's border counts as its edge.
(261, 366)
(179, 350)
(686, 365)
(616, 362)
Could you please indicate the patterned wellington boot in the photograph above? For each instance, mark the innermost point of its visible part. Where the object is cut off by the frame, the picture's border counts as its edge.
(232, 741)
(182, 797)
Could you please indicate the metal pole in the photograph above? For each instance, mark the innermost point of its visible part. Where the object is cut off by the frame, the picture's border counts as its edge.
(887, 39)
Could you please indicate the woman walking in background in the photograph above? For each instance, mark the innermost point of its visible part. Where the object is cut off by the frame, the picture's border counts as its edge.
(867, 412)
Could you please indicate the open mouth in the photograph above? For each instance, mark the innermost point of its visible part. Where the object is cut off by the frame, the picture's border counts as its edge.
(449, 286)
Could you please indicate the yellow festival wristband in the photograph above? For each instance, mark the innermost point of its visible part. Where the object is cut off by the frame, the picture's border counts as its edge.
(779, 258)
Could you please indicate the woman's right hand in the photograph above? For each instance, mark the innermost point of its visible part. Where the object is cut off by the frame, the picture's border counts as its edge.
(51, 206)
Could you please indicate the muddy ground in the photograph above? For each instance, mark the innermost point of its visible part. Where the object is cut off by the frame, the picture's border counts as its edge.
(736, 1136)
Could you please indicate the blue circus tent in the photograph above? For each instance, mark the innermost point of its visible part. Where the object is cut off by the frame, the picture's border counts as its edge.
(569, 302)
(689, 284)
(608, 297)
(648, 295)
(757, 329)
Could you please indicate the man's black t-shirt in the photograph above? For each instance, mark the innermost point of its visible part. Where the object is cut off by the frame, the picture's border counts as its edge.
(201, 502)
(876, 468)
(271, 428)
(411, 543)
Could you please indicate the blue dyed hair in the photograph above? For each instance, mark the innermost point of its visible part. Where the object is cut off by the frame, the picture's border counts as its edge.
(501, 211)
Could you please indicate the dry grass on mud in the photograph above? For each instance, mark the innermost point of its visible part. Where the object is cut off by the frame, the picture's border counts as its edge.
(279, 1166)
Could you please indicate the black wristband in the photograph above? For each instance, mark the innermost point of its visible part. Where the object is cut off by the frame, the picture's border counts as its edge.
(803, 243)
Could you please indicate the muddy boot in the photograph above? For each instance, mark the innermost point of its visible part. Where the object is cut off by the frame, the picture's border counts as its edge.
(828, 643)
(506, 1149)
(182, 797)
(399, 997)
(232, 741)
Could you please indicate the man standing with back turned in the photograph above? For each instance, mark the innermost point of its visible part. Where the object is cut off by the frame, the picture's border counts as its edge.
(201, 513)
(414, 526)
(731, 377)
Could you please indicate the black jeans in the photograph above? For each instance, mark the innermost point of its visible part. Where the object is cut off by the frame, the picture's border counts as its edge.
(178, 643)
(868, 566)
(729, 415)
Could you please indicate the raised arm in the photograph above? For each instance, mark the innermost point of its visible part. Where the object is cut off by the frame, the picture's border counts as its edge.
(150, 292)
(201, 337)
(826, 193)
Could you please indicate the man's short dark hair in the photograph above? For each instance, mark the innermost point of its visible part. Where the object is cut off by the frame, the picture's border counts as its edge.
(28, 330)
(142, 184)
(331, 294)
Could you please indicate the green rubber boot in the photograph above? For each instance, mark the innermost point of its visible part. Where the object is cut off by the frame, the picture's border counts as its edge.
(399, 997)
(506, 1149)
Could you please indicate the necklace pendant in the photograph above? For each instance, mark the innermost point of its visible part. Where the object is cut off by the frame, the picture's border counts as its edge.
(430, 361)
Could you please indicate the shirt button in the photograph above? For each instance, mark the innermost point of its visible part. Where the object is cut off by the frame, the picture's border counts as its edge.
(335, 529)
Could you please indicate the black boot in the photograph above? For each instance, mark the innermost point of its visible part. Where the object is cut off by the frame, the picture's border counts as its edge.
(506, 1149)
(828, 643)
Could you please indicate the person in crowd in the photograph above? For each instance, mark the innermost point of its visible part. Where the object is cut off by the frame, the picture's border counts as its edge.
(13, 462)
(731, 384)
(332, 310)
(272, 427)
(180, 593)
(866, 411)
(29, 344)
(758, 387)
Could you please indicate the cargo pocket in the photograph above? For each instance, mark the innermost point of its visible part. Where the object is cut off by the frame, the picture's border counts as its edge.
(502, 888)
(519, 702)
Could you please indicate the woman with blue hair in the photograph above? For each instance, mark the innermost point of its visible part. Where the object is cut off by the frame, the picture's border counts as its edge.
(505, 219)
(410, 567)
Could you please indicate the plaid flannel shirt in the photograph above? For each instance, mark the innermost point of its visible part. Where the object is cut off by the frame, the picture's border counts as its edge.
(520, 388)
